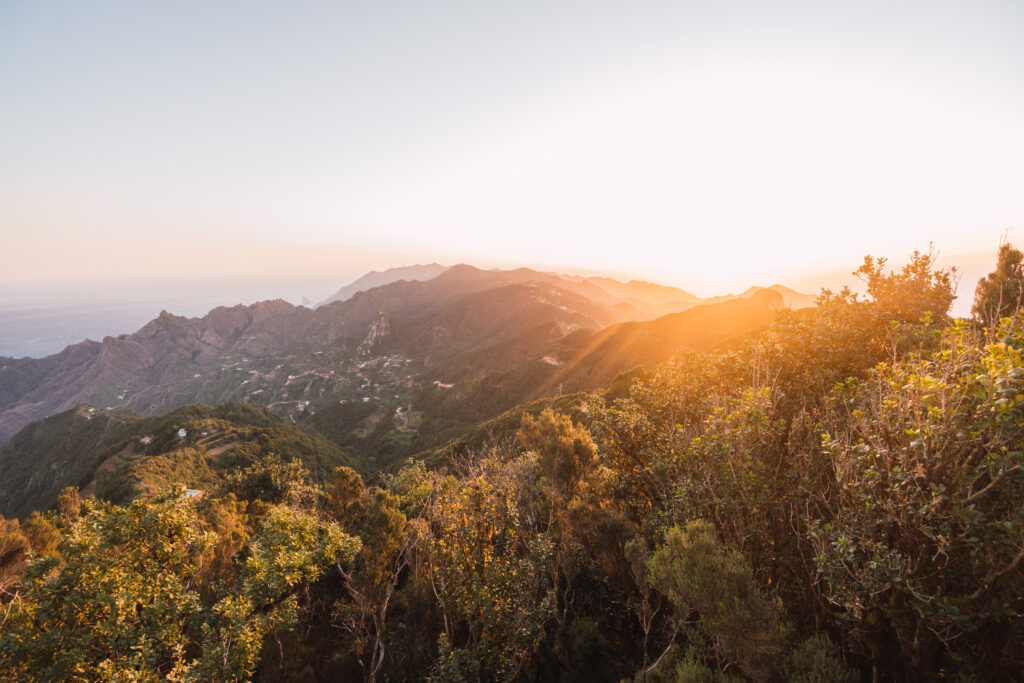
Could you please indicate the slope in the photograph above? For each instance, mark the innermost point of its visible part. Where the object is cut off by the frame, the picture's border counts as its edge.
(120, 455)
(455, 396)
(647, 344)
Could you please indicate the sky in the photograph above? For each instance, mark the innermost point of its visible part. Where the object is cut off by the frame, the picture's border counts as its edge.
(709, 145)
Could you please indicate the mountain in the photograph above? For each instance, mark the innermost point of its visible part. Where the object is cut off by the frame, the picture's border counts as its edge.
(150, 369)
(396, 412)
(644, 291)
(487, 381)
(393, 368)
(648, 344)
(377, 279)
(282, 355)
(601, 289)
(790, 297)
(635, 300)
(450, 398)
(119, 454)
(499, 314)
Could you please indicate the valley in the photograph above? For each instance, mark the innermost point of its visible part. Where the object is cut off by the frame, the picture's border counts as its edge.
(391, 370)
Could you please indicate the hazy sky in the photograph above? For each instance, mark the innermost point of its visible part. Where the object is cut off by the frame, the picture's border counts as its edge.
(711, 145)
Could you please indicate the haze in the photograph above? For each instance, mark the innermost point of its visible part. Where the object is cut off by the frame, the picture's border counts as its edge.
(706, 145)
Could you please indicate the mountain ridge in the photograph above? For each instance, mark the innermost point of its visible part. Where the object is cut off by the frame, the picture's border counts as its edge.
(377, 278)
(463, 323)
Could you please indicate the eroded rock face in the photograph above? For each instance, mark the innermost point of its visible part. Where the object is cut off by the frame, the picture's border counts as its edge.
(379, 338)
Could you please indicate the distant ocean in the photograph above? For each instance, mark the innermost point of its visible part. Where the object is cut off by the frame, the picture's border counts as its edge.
(41, 319)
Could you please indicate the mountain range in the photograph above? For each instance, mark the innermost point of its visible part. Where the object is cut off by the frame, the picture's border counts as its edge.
(383, 371)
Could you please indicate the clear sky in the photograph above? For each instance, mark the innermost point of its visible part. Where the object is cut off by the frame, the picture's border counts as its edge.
(711, 145)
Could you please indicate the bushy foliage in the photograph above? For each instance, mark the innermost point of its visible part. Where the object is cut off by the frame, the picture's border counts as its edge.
(272, 480)
(917, 290)
(292, 548)
(487, 566)
(925, 530)
(818, 660)
(121, 600)
(14, 553)
(566, 451)
(715, 596)
(112, 603)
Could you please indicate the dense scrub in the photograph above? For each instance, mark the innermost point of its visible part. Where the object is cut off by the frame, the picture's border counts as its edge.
(837, 500)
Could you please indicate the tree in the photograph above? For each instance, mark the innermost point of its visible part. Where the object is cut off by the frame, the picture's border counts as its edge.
(390, 539)
(728, 618)
(489, 569)
(273, 480)
(1001, 292)
(120, 601)
(920, 543)
(69, 504)
(566, 451)
(917, 290)
(14, 553)
(113, 605)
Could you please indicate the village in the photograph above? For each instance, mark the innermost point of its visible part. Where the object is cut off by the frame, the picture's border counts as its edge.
(300, 387)
(366, 397)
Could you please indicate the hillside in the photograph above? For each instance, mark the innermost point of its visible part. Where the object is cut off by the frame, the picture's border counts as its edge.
(487, 381)
(426, 359)
(790, 297)
(528, 363)
(119, 455)
(250, 353)
(641, 290)
(651, 343)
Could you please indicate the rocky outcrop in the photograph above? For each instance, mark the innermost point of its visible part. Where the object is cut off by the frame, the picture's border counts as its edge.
(379, 339)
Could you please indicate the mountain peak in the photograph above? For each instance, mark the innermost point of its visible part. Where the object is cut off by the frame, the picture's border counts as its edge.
(376, 278)
(461, 270)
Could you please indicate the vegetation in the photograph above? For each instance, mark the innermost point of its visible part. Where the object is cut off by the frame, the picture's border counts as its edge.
(837, 499)
(1001, 292)
(120, 455)
(128, 595)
